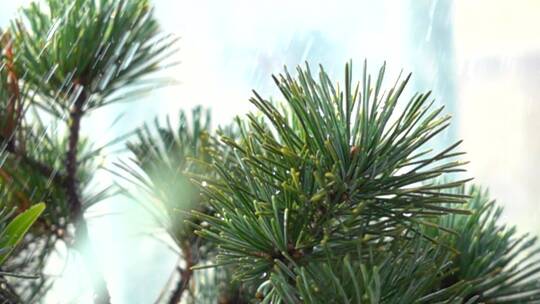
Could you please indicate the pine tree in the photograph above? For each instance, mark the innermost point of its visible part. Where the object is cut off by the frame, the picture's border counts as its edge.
(330, 195)
(63, 60)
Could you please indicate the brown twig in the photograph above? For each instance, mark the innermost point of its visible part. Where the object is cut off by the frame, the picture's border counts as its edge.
(101, 294)
(186, 274)
(13, 109)
(72, 186)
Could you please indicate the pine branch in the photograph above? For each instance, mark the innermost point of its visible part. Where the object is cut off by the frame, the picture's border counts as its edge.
(14, 101)
(407, 271)
(88, 51)
(326, 172)
(101, 294)
(13, 107)
(504, 267)
(186, 274)
(42, 168)
(72, 187)
(167, 194)
(165, 157)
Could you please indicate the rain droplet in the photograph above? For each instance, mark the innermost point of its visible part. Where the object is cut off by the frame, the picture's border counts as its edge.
(144, 18)
(121, 44)
(50, 73)
(130, 55)
(75, 95)
(111, 70)
(53, 29)
(100, 54)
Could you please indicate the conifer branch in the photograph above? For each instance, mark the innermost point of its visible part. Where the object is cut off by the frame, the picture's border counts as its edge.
(82, 237)
(186, 274)
(75, 116)
(44, 169)
(88, 51)
(328, 171)
(11, 129)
